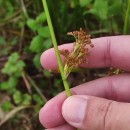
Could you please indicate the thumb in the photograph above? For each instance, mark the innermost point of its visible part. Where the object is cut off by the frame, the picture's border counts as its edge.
(93, 113)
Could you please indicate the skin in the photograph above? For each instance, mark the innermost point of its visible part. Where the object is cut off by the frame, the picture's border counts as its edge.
(105, 102)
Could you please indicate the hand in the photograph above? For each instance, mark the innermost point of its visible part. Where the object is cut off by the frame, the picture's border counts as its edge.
(102, 104)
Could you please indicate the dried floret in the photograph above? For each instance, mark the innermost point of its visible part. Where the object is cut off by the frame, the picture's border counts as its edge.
(79, 53)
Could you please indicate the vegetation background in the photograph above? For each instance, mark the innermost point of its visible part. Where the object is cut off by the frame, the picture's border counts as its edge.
(24, 85)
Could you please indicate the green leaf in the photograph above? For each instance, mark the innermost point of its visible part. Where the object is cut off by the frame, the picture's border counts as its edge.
(41, 18)
(12, 82)
(4, 86)
(9, 8)
(36, 44)
(100, 9)
(38, 99)
(6, 106)
(13, 58)
(32, 24)
(26, 99)
(84, 2)
(47, 44)
(46, 73)
(20, 65)
(14, 65)
(17, 97)
(44, 32)
(36, 60)
(9, 69)
(115, 7)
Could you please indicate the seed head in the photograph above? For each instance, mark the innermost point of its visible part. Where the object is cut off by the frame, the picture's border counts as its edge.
(79, 53)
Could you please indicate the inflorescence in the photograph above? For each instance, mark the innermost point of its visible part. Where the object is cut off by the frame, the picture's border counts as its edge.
(79, 53)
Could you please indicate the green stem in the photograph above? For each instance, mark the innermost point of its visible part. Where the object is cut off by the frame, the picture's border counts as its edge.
(68, 93)
(126, 19)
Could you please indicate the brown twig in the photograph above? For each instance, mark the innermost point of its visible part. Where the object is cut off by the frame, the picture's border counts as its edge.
(36, 88)
(26, 82)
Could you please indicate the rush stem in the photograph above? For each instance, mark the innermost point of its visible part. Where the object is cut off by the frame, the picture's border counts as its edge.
(60, 65)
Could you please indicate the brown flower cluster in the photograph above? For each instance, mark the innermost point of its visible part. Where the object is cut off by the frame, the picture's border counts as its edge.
(114, 71)
(79, 52)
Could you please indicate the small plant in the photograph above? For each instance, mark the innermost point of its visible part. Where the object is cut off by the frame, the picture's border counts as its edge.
(68, 93)
(13, 69)
(41, 41)
(79, 52)
(73, 59)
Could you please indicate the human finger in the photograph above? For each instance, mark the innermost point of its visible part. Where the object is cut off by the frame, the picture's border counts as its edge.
(107, 52)
(94, 113)
(114, 87)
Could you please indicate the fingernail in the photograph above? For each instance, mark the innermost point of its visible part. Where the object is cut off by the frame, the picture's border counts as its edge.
(74, 108)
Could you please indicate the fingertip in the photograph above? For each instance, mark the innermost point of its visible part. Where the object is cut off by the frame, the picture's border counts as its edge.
(46, 59)
(40, 117)
(42, 59)
(43, 117)
(73, 109)
(47, 115)
(50, 115)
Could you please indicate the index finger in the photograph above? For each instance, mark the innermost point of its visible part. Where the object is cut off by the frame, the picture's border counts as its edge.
(107, 52)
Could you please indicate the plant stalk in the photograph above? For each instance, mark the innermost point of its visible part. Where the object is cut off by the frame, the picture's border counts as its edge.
(126, 21)
(66, 86)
